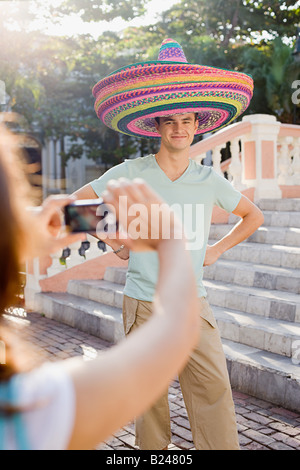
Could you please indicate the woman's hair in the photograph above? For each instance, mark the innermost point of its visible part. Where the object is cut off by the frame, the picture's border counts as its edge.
(13, 199)
(9, 258)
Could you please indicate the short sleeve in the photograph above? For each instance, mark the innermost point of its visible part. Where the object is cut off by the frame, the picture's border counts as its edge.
(226, 196)
(118, 171)
(49, 396)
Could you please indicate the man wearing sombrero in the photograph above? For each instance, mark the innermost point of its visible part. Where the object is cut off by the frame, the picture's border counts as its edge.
(173, 100)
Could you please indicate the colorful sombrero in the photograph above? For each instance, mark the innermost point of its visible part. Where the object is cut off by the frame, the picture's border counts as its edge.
(130, 98)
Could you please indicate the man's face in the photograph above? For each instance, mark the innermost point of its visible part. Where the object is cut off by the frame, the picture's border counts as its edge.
(177, 131)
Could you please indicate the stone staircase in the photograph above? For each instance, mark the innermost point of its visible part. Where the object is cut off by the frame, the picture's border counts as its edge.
(254, 293)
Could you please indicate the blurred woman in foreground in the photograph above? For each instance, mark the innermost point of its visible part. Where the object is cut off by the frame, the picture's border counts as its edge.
(73, 404)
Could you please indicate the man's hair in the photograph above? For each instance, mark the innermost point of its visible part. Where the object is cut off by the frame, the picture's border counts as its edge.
(158, 118)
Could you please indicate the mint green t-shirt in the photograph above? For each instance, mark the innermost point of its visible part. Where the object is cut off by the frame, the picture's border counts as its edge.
(192, 197)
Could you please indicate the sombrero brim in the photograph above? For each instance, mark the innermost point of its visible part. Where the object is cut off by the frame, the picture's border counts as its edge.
(130, 98)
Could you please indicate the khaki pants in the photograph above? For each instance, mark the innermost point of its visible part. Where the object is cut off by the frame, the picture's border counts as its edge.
(205, 388)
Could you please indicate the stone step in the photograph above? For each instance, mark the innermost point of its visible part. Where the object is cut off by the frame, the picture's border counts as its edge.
(264, 302)
(275, 219)
(256, 275)
(263, 374)
(253, 329)
(288, 236)
(102, 291)
(267, 334)
(103, 321)
(271, 255)
(115, 275)
(258, 298)
(290, 205)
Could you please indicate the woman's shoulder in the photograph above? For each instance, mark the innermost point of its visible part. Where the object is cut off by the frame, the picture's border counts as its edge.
(45, 400)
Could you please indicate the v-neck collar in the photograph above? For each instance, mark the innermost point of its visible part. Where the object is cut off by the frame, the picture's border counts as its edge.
(164, 174)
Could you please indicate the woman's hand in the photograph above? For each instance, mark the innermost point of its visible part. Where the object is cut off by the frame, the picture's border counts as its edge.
(46, 227)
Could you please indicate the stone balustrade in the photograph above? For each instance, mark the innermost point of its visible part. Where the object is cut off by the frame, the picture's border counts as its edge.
(265, 156)
(74, 255)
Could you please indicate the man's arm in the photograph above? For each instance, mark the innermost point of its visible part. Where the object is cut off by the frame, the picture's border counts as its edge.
(252, 219)
(87, 192)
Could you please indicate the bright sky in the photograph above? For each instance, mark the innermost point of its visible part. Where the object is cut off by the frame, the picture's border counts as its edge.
(74, 25)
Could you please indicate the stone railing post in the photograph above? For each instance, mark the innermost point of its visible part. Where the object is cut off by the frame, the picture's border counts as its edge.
(285, 169)
(296, 161)
(32, 287)
(259, 156)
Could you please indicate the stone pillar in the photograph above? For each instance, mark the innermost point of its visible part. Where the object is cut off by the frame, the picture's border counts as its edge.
(52, 164)
(32, 287)
(259, 156)
(45, 170)
(58, 165)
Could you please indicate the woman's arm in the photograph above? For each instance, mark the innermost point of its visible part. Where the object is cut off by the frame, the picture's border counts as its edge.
(127, 379)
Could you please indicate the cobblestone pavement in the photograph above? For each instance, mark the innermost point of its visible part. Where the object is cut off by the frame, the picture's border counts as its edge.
(261, 425)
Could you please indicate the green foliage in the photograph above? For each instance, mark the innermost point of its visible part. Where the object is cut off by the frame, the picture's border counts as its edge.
(99, 10)
(226, 21)
(274, 70)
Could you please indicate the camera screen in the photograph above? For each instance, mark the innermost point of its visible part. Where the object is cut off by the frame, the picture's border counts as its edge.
(90, 218)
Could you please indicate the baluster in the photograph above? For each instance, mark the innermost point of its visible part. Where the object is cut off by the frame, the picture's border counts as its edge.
(56, 266)
(296, 162)
(284, 161)
(235, 167)
(216, 158)
(75, 258)
(93, 251)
